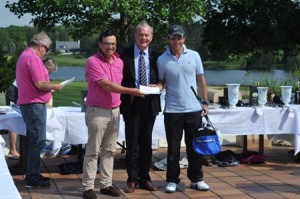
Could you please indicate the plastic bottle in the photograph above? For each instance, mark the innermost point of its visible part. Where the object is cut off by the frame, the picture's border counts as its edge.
(270, 96)
(297, 95)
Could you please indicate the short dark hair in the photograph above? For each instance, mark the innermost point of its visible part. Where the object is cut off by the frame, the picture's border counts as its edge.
(106, 33)
(143, 23)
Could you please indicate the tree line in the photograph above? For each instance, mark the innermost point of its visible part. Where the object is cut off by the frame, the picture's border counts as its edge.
(233, 27)
(258, 33)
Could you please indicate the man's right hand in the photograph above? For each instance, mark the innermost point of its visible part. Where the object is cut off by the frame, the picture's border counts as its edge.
(137, 92)
(58, 87)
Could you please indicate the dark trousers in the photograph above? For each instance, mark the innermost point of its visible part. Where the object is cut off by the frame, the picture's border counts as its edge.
(175, 123)
(11, 95)
(138, 132)
(34, 116)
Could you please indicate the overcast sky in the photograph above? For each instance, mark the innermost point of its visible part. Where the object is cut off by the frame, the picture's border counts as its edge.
(7, 18)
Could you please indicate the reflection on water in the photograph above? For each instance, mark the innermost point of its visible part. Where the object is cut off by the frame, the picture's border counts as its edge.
(219, 77)
(213, 77)
(67, 72)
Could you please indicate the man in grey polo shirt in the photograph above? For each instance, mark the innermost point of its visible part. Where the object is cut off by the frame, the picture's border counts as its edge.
(180, 68)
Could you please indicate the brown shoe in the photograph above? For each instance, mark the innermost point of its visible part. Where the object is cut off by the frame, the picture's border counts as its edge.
(111, 191)
(206, 162)
(148, 186)
(130, 187)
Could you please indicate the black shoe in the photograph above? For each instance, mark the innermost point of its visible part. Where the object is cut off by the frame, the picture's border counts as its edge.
(291, 151)
(89, 194)
(45, 179)
(111, 191)
(297, 158)
(37, 184)
(148, 186)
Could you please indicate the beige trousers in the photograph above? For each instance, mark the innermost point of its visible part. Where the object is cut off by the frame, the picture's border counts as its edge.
(103, 129)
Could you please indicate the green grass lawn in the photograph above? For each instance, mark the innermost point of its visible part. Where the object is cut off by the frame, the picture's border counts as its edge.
(70, 93)
(68, 60)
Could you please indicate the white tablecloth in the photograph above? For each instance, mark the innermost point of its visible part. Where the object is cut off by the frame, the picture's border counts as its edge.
(76, 130)
(7, 186)
(245, 120)
(67, 124)
(13, 121)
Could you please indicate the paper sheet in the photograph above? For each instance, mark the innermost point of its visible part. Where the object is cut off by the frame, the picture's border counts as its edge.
(149, 90)
(4, 110)
(66, 82)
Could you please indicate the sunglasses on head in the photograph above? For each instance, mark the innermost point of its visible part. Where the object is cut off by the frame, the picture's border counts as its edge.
(176, 37)
(47, 49)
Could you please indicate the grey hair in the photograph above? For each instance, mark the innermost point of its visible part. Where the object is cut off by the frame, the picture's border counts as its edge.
(50, 65)
(41, 39)
(143, 23)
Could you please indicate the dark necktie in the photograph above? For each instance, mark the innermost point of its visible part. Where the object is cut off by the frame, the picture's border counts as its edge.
(143, 75)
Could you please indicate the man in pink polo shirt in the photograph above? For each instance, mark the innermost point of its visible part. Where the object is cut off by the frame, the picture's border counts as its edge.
(34, 91)
(104, 73)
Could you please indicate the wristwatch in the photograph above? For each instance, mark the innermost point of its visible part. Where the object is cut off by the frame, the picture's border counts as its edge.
(205, 102)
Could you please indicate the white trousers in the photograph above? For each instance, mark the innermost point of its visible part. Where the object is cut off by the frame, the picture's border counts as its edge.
(103, 129)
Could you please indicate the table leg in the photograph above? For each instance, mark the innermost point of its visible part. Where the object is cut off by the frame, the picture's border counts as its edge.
(23, 153)
(245, 143)
(79, 153)
(261, 144)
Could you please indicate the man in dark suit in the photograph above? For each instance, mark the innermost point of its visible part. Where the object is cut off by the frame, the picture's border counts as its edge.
(139, 113)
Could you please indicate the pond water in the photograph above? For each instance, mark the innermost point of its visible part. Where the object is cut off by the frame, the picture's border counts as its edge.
(213, 77)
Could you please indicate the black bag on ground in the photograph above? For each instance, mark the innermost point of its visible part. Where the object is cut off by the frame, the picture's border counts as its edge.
(226, 159)
(206, 140)
(70, 168)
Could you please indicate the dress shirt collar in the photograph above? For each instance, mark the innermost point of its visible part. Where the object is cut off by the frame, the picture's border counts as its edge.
(137, 51)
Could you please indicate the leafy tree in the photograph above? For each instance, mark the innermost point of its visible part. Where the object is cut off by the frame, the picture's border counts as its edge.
(194, 35)
(5, 71)
(3, 57)
(14, 36)
(7, 68)
(88, 44)
(87, 17)
(252, 26)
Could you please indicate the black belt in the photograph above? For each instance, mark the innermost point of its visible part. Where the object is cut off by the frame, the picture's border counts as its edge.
(113, 108)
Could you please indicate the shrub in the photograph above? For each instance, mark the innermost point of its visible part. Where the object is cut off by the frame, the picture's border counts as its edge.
(261, 61)
(293, 63)
(214, 65)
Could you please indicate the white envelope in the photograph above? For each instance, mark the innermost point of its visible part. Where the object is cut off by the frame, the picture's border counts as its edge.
(149, 90)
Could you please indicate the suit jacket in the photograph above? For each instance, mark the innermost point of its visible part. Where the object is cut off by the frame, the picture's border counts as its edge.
(127, 56)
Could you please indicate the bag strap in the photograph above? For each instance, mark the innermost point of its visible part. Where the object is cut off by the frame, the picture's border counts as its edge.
(208, 121)
(200, 100)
